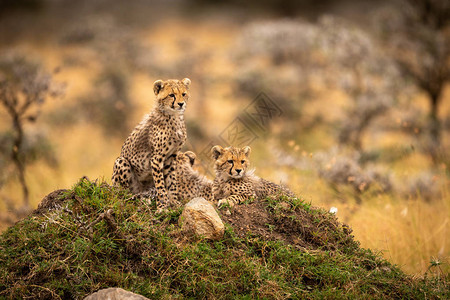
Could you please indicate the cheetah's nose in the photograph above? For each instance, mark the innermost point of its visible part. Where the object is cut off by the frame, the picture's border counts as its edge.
(238, 171)
(181, 104)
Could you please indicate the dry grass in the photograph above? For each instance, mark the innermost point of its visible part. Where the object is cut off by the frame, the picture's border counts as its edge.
(410, 233)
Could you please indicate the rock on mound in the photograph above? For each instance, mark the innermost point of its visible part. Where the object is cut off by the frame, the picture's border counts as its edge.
(114, 294)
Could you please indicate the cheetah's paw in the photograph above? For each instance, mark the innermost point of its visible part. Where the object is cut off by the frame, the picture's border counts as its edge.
(225, 203)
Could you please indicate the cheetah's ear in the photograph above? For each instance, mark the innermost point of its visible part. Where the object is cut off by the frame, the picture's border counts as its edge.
(186, 82)
(157, 86)
(216, 151)
(247, 150)
(191, 155)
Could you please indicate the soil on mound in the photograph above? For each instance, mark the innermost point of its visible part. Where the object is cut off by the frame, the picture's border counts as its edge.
(298, 224)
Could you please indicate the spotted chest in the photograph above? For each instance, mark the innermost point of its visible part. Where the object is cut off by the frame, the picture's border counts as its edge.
(168, 144)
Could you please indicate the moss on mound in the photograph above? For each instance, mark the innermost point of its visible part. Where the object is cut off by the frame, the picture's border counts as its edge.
(95, 236)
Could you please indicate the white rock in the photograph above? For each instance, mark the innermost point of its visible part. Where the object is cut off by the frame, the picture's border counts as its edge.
(200, 217)
(114, 294)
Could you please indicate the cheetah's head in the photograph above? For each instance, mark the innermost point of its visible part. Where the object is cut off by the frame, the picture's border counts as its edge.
(186, 160)
(231, 162)
(172, 95)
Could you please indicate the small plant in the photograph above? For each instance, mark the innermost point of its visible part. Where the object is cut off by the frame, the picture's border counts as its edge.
(435, 264)
(345, 169)
(249, 200)
(271, 227)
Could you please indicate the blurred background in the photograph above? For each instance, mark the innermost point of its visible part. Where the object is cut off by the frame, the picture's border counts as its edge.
(347, 102)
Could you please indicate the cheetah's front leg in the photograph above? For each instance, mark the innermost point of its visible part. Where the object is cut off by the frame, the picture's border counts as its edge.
(157, 164)
(171, 179)
(232, 200)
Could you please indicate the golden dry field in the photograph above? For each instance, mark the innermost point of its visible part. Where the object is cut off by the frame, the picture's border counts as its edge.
(392, 192)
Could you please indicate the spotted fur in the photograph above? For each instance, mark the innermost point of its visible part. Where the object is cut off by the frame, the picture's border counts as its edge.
(235, 183)
(190, 183)
(147, 155)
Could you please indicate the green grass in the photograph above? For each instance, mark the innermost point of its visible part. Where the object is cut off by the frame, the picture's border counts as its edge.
(70, 253)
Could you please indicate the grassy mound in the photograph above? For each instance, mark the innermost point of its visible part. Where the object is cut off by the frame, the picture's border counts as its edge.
(94, 236)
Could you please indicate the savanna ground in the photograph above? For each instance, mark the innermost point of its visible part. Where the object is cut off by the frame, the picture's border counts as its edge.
(389, 189)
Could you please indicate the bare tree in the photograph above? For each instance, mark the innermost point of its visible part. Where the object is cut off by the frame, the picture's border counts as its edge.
(24, 87)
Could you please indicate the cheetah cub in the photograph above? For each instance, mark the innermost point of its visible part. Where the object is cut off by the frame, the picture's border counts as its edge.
(190, 183)
(234, 183)
(148, 152)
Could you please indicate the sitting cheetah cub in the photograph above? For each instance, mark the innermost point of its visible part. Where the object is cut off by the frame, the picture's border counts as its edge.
(147, 154)
(234, 183)
(190, 183)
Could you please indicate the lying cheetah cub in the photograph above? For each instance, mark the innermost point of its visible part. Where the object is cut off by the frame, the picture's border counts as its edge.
(234, 183)
(147, 154)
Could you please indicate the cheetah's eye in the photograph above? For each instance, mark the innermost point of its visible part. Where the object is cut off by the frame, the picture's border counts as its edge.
(230, 161)
(172, 95)
(184, 94)
(242, 161)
